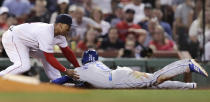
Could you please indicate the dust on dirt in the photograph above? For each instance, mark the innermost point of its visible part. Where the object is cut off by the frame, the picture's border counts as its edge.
(11, 86)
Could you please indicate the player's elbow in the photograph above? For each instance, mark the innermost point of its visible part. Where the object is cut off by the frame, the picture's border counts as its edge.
(48, 56)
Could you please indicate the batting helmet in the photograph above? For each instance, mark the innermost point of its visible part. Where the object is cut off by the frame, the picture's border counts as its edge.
(89, 56)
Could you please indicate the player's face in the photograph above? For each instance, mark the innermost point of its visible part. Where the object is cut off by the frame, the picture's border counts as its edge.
(66, 29)
(62, 29)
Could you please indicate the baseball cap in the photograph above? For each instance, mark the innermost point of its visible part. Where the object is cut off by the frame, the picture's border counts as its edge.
(3, 10)
(63, 1)
(130, 11)
(64, 18)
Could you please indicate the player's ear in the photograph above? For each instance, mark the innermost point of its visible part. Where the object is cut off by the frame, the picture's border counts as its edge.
(56, 25)
(57, 28)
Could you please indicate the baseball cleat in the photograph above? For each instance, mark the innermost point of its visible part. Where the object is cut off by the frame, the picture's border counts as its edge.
(195, 67)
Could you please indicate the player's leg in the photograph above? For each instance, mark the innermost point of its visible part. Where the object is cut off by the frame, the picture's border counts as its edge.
(175, 85)
(125, 77)
(51, 72)
(17, 53)
(176, 68)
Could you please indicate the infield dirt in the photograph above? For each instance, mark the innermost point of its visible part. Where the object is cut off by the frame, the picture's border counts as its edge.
(11, 86)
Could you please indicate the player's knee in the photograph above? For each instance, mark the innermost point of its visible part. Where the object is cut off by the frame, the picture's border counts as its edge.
(22, 67)
(161, 79)
(26, 67)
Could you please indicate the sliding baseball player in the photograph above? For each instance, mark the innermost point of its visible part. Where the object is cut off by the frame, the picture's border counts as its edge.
(37, 40)
(99, 75)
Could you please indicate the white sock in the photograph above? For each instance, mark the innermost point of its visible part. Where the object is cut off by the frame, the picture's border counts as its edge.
(176, 85)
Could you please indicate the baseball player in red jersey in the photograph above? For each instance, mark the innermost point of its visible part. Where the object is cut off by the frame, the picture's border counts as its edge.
(37, 40)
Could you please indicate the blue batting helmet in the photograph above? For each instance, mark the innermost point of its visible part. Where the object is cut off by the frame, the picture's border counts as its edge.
(89, 56)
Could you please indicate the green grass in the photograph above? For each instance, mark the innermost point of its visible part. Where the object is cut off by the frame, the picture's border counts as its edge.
(111, 96)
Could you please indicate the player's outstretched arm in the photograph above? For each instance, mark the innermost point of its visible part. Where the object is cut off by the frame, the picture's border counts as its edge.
(54, 62)
(69, 54)
(62, 80)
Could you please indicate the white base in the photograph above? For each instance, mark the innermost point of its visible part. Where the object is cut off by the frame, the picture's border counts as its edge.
(22, 79)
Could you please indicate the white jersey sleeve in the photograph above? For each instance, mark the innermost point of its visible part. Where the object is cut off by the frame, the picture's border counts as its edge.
(46, 44)
(61, 41)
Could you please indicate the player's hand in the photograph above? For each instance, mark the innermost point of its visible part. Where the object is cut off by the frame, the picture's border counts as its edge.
(71, 73)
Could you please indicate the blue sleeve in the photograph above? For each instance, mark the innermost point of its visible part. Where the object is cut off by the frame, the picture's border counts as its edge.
(62, 80)
(66, 79)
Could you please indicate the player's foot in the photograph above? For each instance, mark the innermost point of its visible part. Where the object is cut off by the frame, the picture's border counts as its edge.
(195, 67)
